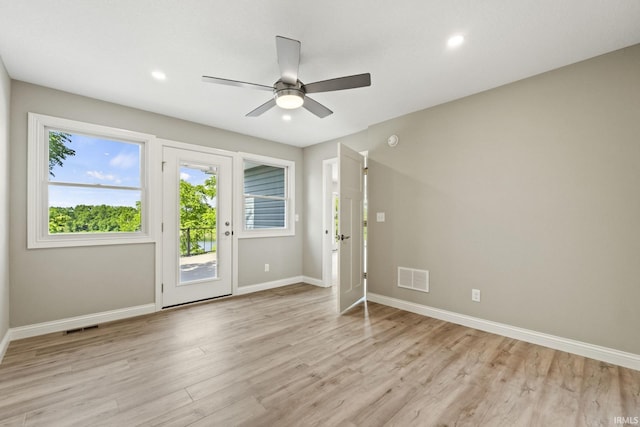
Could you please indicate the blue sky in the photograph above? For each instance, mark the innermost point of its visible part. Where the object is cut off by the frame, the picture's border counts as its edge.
(105, 162)
(97, 161)
(193, 176)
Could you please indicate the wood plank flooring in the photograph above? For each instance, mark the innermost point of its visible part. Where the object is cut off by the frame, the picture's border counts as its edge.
(284, 358)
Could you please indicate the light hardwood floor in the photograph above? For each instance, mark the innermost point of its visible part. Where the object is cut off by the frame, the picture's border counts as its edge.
(284, 358)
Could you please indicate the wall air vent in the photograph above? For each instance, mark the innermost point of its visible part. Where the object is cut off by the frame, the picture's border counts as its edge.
(411, 278)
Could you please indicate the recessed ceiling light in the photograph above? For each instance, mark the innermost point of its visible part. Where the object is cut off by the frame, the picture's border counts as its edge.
(158, 75)
(286, 117)
(455, 41)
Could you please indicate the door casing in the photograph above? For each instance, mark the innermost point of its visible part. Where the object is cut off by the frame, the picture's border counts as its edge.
(157, 212)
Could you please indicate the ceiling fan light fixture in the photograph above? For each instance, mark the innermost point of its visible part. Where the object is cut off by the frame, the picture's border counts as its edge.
(289, 99)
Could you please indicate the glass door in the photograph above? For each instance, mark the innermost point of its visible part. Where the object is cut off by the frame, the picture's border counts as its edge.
(196, 226)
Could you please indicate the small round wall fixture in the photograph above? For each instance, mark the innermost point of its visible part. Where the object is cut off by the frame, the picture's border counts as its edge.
(392, 141)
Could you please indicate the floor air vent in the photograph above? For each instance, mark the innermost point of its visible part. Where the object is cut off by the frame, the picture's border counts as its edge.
(411, 278)
(86, 328)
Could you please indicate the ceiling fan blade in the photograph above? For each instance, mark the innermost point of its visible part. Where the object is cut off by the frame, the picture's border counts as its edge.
(316, 108)
(263, 108)
(288, 59)
(237, 83)
(341, 83)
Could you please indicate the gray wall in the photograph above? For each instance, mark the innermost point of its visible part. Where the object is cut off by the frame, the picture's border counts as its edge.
(50, 284)
(313, 231)
(528, 192)
(5, 97)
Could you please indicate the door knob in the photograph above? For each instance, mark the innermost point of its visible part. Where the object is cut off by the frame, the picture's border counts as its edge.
(227, 223)
(227, 233)
(343, 237)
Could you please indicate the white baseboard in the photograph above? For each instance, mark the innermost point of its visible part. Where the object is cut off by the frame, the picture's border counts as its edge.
(605, 354)
(315, 282)
(268, 285)
(79, 321)
(4, 344)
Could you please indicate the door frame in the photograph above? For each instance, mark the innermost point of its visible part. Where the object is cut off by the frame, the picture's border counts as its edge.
(327, 216)
(157, 212)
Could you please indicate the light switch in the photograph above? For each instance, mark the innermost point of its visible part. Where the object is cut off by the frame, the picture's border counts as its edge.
(380, 216)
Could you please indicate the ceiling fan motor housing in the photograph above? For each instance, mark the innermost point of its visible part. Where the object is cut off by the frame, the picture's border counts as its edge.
(287, 95)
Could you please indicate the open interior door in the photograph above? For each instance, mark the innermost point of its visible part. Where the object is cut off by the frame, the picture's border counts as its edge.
(350, 228)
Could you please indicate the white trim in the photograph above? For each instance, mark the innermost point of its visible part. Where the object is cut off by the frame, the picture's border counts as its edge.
(290, 214)
(327, 219)
(604, 354)
(155, 216)
(315, 282)
(269, 285)
(158, 209)
(37, 184)
(195, 147)
(80, 321)
(4, 344)
(234, 253)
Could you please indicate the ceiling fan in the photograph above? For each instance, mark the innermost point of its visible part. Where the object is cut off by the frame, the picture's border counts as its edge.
(288, 91)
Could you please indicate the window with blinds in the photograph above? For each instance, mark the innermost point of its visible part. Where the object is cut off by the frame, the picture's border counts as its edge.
(265, 196)
(267, 186)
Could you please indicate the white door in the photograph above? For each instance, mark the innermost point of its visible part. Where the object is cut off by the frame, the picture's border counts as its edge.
(197, 228)
(351, 227)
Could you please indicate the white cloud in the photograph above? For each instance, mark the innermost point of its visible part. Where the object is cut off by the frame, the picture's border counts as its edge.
(184, 176)
(124, 161)
(103, 177)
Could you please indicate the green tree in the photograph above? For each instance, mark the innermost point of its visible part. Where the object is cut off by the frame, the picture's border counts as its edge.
(60, 220)
(58, 150)
(94, 219)
(129, 219)
(197, 213)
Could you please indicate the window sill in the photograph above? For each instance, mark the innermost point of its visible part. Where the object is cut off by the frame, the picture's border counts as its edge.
(88, 240)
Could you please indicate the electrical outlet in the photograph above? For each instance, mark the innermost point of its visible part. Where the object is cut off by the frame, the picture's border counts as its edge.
(266, 268)
(475, 295)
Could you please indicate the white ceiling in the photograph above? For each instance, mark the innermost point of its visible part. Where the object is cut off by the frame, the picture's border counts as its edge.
(106, 49)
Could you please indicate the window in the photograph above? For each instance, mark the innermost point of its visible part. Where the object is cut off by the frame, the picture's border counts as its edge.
(267, 186)
(87, 184)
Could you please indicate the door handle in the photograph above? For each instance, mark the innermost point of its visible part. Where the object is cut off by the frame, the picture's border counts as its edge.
(343, 237)
(227, 233)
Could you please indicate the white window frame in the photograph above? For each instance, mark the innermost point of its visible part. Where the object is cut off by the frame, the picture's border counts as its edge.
(290, 179)
(38, 184)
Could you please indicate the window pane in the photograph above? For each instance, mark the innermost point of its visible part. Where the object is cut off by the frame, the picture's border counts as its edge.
(264, 180)
(93, 210)
(85, 159)
(198, 223)
(264, 213)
